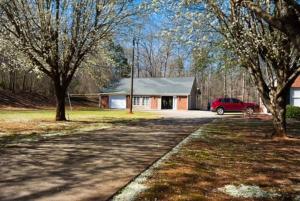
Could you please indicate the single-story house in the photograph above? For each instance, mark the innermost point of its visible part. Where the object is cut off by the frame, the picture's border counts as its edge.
(294, 98)
(152, 93)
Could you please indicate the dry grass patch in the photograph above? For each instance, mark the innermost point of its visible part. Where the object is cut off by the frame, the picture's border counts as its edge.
(20, 123)
(231, 152)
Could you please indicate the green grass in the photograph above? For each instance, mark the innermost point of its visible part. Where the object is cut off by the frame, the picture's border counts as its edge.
(83, 114)
(25, 121)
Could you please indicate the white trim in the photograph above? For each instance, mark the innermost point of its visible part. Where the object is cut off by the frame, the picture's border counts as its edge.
(295, 100)
(126, 94)
(174, 102)
(140, 102)
(159, 103)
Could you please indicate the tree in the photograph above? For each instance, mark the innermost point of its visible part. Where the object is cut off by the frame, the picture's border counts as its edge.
(200, 63)
(14, 63)
(166, 52)
(57, 35)
(116, 53)
(283, 15)
(105, 64)
(269, 55)
(179, 65)
(267, 50)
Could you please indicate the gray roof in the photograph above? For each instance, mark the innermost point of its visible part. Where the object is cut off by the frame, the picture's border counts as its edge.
(152, 86)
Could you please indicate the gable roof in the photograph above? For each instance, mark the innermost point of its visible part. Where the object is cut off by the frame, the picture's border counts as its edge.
(152, 86)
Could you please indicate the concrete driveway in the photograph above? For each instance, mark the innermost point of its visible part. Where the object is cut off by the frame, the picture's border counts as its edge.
(190, 114)
(89, 166)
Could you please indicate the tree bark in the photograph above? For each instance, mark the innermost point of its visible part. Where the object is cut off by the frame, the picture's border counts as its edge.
(278, 110)
(243, 87)
(60, 93)
(225, 84)
(24, 81)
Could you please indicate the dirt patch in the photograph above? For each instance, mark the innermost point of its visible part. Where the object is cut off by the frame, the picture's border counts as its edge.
(24, 100)
(34, 100)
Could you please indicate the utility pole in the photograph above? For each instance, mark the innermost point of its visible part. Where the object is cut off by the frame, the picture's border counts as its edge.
(138, 56)
(132, 74)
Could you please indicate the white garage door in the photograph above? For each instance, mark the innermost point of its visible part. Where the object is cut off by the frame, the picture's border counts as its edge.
(117, 102)
(295, 97)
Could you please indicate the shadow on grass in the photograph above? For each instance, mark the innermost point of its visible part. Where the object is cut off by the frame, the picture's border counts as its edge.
(114, 122)
(88, 166)
(17, 138)
(232, 151)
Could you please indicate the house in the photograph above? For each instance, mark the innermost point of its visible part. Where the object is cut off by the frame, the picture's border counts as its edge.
(294, 98)
(152, 93)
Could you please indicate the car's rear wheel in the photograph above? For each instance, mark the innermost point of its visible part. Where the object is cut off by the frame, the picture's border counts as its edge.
(220, 111)
(249, 110)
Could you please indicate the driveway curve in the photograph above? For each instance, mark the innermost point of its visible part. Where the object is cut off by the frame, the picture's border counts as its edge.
(89, 166)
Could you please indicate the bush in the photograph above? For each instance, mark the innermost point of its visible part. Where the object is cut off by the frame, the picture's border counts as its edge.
(293, 112)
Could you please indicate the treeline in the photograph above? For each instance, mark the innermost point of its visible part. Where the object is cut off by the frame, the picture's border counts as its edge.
(107, 63)
(157, 53)
(217, 77)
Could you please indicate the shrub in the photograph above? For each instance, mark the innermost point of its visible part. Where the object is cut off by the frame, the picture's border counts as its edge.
(293, 112)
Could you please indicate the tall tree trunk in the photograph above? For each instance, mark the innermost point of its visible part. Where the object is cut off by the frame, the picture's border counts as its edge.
(225, 83)
(60, 93)
(165, 69)
(3, 82)
(202, 90)
(208, 85)
(24, 81)
(278, 110)
(243, 87)
(138, 57)
(31, 83)
(231, 84)
(10, 80)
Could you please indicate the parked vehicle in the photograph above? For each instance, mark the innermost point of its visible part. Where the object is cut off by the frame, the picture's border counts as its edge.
(222, 105)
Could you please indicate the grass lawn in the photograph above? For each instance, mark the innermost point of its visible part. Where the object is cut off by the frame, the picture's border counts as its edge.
(23, 121)
(230, 152)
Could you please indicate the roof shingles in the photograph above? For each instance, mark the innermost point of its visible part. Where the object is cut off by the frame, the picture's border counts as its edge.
(152, 86)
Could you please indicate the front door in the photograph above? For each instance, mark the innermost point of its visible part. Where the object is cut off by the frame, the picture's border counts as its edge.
(167, 102)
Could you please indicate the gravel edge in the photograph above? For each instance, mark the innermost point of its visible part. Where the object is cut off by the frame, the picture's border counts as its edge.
(137, 185)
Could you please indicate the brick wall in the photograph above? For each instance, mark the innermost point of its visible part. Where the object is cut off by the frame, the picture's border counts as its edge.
(127, 102)
(104, 102)
(297, 82)
(154, 102)
(182, 103)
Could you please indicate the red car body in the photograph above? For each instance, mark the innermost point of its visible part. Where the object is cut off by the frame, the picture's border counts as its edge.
(232, 105)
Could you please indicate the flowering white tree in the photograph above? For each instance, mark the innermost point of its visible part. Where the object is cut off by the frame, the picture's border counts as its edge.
(271, 55)
(12, 61)
(271, 58)
(286, 18)
(58, 35)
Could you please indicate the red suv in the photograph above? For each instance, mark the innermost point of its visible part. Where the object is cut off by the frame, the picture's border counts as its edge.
(222, 105)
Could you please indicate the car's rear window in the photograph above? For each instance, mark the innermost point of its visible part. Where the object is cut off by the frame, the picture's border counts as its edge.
(234, 100)
(225, 100)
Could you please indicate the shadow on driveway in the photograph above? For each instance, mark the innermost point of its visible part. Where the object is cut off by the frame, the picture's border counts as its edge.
(89, 166)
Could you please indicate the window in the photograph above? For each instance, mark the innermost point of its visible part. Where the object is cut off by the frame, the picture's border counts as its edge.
(295, 97)
(145, 101)
(234, 100)
(136, 100)
(225, 100)
(140, 100)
